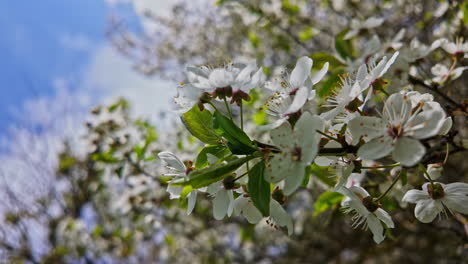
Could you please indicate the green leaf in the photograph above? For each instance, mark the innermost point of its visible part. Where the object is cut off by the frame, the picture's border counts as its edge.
(306, 179)
(259, 189)
(323, 174)
(206, 176)
(306, 34)
(239, 142)
(320, 58)
(343, 47)
(200, 125)
(326, 201)
(403, 178)
(330, 83)
(219, 151)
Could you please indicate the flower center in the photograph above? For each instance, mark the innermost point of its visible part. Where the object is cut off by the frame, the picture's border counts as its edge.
(296, 153)
(436, 191)
(395, 131)
(229, 182)
(369, 203)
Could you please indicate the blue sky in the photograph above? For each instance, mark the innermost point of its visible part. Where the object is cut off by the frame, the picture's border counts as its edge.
(49, 40)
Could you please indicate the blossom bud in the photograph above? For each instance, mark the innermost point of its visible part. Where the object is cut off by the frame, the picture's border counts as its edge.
(434, 171)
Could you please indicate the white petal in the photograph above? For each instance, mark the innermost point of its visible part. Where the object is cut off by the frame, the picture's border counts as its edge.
(376, 148)
(457, 188)
(456, 202)
(439, 70)
(221, 204)
(397, 109)
(299, 100)
(361, 73)
(280, 216)
(300, 72)
(446, 126)
(427, 124)
(239, 204)
(220, 78)
(319, 75)
(172, 161)
(367, 126)
(251, 213)
(231, 202)
(389, 63)
(408, 151)
(414, 196)
(192, 198)
(384, 217)
(375, 227)
(273, 125)
(244, 74)
(427, 210)
(295, 177)
(343, 172)
(282, 136)
(174, 191)
(277, 167)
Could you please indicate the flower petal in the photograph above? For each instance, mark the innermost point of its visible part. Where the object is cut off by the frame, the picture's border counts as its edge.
(376, 148)
(192, 198)
(251, 213)
(456, 202)
(319, 75)
(375, 227)
(295, 177)
(280, 216)
(397, 109)
(300, 72)
(427, 210)
(221, 204)
(172, 161)
(277, 167)
(414, 196)
(408, 151)
(384, 217)
(457, 188)
(300, 99)
(427, 123)
(367, 126)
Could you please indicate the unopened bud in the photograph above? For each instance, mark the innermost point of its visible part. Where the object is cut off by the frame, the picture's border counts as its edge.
(434, 170)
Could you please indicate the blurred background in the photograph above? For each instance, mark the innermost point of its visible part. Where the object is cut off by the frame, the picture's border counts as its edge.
(86, 104)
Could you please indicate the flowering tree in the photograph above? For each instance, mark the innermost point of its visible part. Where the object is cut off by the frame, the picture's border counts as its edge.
(358, 107)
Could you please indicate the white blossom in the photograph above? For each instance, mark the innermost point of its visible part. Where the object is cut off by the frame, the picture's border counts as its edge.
(431, 200)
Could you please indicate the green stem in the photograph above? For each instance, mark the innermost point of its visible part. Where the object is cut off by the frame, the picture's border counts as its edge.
(421, 166)
(390, 187)
(212, 105)
(328, 136)
(242, 116)
(228, 109)
(240, 176)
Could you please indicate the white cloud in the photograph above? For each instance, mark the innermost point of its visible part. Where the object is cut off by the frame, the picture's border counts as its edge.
(109, 75)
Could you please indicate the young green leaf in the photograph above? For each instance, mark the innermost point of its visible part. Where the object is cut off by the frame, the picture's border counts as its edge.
(218, 151)
(259, 189)
(200, 125)
(343, 47)
(206, 176)
(326, 201)
(239, 142)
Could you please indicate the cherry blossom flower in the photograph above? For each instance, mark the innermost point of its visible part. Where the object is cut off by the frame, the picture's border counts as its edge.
(442, 73)
(457, 47)
(178, 169)
(432, 199)
(397, 131)
(298, 149)
(366, 211)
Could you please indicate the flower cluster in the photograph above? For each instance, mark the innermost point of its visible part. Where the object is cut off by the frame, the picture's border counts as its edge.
(357, 124)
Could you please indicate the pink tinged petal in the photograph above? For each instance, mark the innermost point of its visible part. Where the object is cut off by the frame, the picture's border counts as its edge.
(172, 161)
(446, 126)
(384, 217)
(397, 108)
(221, 204)
(192, 198)
(427, 210)
(280, 216)
(367, 126)
(295, 177)
(299, 100)
(376, 228)
(426, 124)
(408, 151)
(300, 72)
(376, 148)
(414, 196)
(319, 75)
